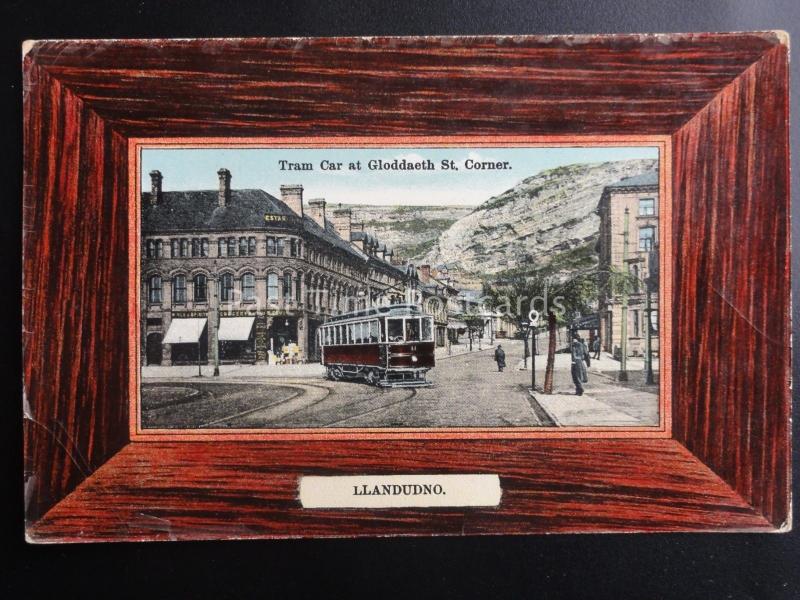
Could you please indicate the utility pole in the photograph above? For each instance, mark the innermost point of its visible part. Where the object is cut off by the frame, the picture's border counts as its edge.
(215, 322)
(533, 357)
(623, 364)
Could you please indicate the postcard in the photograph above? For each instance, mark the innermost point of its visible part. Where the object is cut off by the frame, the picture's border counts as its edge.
(311, 287)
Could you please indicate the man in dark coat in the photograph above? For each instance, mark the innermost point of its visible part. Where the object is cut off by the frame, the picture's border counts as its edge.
(579, 374)
(500, 358)
(596, 348)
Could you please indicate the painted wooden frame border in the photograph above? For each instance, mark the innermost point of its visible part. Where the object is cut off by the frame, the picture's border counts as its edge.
(722, 99)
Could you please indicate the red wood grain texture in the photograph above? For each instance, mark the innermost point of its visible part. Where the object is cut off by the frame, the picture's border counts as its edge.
(721, 96)
(481, 85)
(624, 485)
(75, 248)
(732, 359)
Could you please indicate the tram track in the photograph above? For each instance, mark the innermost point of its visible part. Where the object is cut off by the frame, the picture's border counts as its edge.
(406, 398)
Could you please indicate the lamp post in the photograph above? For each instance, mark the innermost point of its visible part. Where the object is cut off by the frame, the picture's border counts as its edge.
(623, 363)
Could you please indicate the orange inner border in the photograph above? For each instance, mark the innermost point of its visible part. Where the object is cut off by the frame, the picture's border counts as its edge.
(662, 430)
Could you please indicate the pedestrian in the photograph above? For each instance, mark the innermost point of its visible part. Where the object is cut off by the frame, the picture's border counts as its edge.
(586, 353)
(500, 358)
(579, 374)
(596, 348)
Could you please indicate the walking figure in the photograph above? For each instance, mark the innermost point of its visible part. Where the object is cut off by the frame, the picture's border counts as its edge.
(586, 355)
(596, 348)
(579, 375)
(500, 358)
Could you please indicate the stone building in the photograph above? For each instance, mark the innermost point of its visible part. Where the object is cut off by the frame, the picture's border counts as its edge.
(439, 299)
(238, 275)
(635, 199)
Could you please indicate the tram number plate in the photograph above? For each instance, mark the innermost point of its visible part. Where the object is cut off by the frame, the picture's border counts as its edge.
(396, 491)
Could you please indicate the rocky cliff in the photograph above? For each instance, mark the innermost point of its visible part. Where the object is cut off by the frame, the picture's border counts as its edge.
(546, 219)
(411, 230)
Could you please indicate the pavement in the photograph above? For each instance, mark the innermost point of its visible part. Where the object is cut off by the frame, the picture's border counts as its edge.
(467, 391)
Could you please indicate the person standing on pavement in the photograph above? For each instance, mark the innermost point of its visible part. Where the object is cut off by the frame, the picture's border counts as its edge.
(579, 375)
(500, 358)
(586, 354)
(596, 348)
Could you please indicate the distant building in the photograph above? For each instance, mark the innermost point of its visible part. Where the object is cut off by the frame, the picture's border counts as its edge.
(439, 299)
(252, 273)
(639, 196)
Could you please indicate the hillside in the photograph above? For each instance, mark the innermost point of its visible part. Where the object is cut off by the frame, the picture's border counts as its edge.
(411, 230)
(546, 219)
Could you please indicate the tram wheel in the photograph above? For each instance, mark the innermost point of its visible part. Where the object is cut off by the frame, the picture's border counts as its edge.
(371, 377)
(334, 373)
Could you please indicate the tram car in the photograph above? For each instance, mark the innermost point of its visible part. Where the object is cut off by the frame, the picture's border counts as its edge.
(388, 346)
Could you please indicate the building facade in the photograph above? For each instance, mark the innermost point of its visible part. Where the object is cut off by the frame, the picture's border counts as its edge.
(631, 258)
(233, 275)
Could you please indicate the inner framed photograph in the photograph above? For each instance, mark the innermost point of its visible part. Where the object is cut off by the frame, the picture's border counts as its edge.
(406, 286)
(498, 287)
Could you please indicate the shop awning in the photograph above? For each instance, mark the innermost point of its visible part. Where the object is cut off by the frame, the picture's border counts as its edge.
(235, 329)
(456, 325)
(184, 331)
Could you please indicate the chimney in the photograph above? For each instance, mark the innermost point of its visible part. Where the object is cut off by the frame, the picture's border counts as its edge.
(316, 210)
(342, 219)
(292, 196)
(425, 272)
(155, 187)
(224, 187)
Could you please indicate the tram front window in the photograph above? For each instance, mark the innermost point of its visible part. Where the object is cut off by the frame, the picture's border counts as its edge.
(395, 330)
(412, 330)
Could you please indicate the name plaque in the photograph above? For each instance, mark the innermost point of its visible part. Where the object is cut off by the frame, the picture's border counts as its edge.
(399, 491)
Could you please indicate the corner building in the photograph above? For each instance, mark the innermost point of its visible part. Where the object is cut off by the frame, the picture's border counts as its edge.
(634, 199)
(233, 275)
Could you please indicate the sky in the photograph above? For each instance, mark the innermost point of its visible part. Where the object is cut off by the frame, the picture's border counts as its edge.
(196, 169)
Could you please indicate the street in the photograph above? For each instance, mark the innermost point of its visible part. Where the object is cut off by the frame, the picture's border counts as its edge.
(467, 391)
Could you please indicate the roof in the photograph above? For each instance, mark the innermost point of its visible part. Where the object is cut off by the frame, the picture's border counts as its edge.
(330, 235)
(197, 211)
(648, 178)
(200, 211)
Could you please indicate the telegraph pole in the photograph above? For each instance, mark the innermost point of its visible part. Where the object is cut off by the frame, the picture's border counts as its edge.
(623, 364)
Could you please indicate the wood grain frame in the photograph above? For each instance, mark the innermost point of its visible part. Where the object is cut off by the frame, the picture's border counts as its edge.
(721, 98)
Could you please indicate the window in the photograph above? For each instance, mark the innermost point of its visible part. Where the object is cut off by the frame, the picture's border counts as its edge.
(635, 278)
(646, 238)
(635, 319)
(226, 287)
(279, 246)
(175, 250)
(242, 246)
(374, 331)
(179, 289)
(427, 330)
(287, 287)
(298, 289)
(231, 246)
(200, 288)
(395, 327)
(412, 330)
(154, 289)
(184, 248)
(248, 286)
(151, 249)
(272, 287)
(647, 206)
(222, 249)
(159, 249)
(251, 246)
(270, 246)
